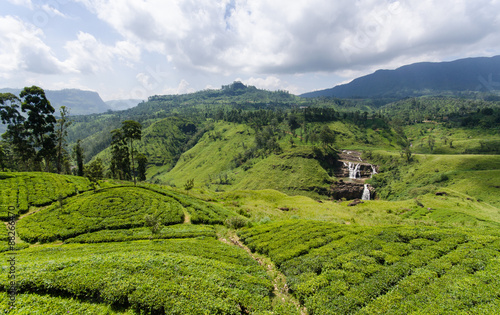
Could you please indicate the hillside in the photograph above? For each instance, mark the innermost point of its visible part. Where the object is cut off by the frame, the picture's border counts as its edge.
(79, 102)
(425, 78)
(246, 251)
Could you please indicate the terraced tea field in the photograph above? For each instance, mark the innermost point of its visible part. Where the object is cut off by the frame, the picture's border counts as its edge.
(339, 269)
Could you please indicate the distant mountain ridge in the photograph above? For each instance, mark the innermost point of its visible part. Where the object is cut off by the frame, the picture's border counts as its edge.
(481, 74)
(78, 101)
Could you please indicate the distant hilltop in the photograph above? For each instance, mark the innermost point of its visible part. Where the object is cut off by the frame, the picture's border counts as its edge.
(78, 101)
(480, 74)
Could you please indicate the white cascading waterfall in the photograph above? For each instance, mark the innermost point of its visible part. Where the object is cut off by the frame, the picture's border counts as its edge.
(354, 170)
(374, 170)
(366, 193)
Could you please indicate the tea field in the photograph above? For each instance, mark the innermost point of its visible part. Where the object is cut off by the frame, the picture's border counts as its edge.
(22, 190)
(186, 276)
(89, 252)
(110, 208)
(340, 269)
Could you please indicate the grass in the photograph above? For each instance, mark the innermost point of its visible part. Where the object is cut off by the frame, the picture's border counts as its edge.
(476, 176)
(451, 210)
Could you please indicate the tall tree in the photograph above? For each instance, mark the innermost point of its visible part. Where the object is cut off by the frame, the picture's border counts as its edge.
(327, 136)
(61, 133)
(39, 123)
(132, 131)
(142, 161)
(120, 162)
(16, 134)
(78, 156)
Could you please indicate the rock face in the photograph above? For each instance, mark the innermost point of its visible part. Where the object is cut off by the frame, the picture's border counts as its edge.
(365, 170)
(350, 165)
(349, 191)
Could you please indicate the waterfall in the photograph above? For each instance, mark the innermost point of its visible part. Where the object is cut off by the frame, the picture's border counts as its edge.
(374, 170)
(354, 171)
(366, 193)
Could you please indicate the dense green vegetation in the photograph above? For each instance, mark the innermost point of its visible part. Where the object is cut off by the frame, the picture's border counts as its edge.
(22, 190)
(142, 233)
(112, 208)
(262, 165)
(338, 269)
(174, 276)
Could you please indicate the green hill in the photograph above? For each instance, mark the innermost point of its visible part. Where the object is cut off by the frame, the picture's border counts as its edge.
(261, 232)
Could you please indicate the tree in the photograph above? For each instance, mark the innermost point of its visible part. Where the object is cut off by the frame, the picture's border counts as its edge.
(94, 171)
(132, 131)
(293, 123)
(153, 221)
(142, 162)
(62, 132)
(189, 184)
(406, 152)
(39, 123)
(78, 156)
(431, 143)
(327, 137)
(120, 162)
(16, 134)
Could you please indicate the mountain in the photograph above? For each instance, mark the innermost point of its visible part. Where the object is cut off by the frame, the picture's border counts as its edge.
(425, 78)
(78, 101)
(123, 104)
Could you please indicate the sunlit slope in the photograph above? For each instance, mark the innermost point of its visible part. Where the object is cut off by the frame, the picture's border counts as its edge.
(474, 176)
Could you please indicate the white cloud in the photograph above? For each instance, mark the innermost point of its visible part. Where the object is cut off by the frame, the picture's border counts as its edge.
(52, 10)
(88, 55)
(281, 36)
(24, 3)
(22, 48)
(182, 88)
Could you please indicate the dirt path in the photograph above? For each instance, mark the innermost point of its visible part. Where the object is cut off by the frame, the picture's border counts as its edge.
(278, 278)
(187, 217)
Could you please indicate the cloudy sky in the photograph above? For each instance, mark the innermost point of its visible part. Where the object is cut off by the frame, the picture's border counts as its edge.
(136, 48)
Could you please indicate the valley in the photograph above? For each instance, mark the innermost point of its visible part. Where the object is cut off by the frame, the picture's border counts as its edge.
(259, 202)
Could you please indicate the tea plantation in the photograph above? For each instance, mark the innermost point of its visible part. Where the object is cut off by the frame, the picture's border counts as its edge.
(111, 208)
(22, 190)
(90, 252)
(339, 269)
(189, 276)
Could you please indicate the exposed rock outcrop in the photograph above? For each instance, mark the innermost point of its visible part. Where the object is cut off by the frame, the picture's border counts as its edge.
(349, 191)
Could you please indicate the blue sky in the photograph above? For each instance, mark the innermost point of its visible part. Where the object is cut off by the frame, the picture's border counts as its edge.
(136, 48)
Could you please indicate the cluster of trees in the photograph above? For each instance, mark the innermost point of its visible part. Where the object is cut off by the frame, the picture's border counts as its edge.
(123, 153)
(35, 140)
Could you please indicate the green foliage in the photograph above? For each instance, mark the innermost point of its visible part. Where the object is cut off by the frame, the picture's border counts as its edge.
(236, 222)
(142, 162)
(94, 170)
(111, 208)
(201, 212)
(22, 190)
(168, 276)
(335, 269)
(133, 234)
(28, 304)
(189, 184)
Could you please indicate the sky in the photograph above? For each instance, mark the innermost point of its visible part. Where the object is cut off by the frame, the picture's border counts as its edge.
(132, 49)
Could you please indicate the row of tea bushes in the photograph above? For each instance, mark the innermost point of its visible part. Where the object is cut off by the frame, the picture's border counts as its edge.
(111, 208)
(339, 269)
(21, 190)
(182, 276)
(201, 212)
(172, 231)
(29, 304)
